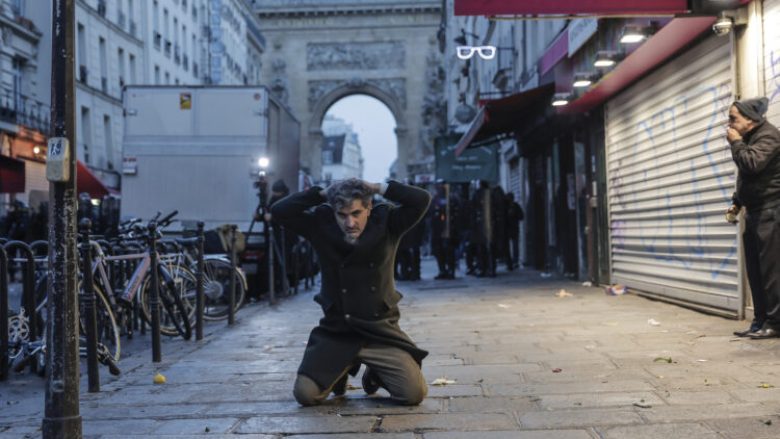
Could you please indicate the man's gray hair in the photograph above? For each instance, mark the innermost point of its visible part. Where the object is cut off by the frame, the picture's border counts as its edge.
(342, 193)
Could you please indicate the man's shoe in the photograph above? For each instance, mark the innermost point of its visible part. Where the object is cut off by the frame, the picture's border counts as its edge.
(754, 327)
(765, 332)
(370, 381)
(340, 388)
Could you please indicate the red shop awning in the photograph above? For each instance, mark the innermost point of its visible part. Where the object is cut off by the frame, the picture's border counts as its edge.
(11, 175)
(570, 7)
(591, 7)
(88, 182)
(663, 45)
(505, 115)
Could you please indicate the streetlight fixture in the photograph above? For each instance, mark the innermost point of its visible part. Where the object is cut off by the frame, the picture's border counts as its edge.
(633, 33)
(606, 59)
(583, 79)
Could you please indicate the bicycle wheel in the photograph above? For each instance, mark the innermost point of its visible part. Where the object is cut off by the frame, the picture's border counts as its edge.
(216, 287)
(107, 329)
(176, 318)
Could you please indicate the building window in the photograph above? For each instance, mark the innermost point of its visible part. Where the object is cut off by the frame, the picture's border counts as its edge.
(86, 133)
(109, 140)
(103, 65)
(132, 69)
(81, 53)
(157, 75)
(327, 157)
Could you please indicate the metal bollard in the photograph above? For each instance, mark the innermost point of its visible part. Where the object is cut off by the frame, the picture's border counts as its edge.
(154, 297)
(87, 298)
(3, 315)
(232, 291)
(199, 281)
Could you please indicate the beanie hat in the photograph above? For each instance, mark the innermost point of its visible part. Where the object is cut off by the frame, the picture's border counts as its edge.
(753, 109)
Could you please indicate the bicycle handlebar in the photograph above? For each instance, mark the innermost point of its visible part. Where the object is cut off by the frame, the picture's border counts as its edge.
(167, 219)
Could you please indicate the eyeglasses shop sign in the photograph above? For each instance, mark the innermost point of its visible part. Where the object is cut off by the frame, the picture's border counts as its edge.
(474, 163)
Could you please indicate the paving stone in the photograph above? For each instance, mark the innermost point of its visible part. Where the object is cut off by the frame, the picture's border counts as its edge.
(701, 412)
(660, 431)
(526, 434)
(566, 388)
(306, 424)
(449, 422)
(194, 426)
(767, 427)
(492, 404)
(578, 418)
(604, 399)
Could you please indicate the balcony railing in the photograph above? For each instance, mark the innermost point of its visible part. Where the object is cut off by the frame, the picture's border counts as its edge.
(21, 110)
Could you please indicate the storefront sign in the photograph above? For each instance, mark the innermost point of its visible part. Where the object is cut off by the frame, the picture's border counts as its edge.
(580, 31)
(480, 163)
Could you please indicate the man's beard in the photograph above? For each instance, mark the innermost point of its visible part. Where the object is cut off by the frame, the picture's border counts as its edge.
(349, 239)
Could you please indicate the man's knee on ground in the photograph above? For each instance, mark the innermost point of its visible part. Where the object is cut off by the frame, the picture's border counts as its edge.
(306, 391)
(412, 395)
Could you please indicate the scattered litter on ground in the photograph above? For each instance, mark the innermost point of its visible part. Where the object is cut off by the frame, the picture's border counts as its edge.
(653, 322)
(768, 422)
(443, 381)
(557, 370)
(545, 275)
(503, 305)
(587, 283)
(643, 405)
(663, 360)
(765, 386)
(564, 293)
(207, 430)
(615, 290)
(159, 379)
(702, 360)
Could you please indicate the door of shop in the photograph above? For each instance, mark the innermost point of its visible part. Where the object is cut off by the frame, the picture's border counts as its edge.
(670, 178)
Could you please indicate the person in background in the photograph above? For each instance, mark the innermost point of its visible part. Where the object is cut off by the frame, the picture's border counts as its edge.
(755, 149)
(514, 214)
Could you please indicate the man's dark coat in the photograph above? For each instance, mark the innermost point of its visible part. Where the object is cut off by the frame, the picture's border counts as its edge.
(358, 295)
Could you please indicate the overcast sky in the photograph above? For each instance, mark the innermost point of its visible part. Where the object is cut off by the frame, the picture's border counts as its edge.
(375, 126)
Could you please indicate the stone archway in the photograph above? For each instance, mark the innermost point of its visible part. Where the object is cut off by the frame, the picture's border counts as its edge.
(319, 51)
(355, 87)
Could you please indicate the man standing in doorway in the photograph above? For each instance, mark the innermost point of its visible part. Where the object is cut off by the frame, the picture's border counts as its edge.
(755, 148)
(356, 243)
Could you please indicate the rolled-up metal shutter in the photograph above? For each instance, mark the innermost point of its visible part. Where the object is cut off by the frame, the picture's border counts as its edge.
(772, 58)
(34, 181)
(670, 179)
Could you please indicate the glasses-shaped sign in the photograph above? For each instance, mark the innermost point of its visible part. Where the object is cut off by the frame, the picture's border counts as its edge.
(485, 52)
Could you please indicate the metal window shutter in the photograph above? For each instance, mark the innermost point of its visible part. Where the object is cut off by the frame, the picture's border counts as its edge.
(670, 180)
(34, 179)
(772, 58)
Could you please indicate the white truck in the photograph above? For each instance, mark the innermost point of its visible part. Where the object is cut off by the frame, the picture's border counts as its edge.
(196, 149)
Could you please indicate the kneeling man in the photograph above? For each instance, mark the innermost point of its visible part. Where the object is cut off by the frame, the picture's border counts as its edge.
(356, 243)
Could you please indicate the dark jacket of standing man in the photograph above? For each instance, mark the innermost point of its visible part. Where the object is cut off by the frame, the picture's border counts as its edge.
(755, 148)
(356, 244)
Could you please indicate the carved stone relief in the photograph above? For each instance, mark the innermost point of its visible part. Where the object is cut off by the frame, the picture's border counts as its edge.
(355, 56)
(395, 87)
(434, 107)
(280, 85)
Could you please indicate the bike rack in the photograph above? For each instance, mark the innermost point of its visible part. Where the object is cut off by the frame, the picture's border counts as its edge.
(3, 314)
(28, 286)
(88, 302)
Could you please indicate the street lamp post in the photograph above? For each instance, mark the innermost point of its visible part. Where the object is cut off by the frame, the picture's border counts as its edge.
(62, 418)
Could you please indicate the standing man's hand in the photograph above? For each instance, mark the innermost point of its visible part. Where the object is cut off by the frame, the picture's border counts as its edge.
(732, 214)
(732, 135)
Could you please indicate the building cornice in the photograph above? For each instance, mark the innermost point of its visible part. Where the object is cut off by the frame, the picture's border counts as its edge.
(303, 12)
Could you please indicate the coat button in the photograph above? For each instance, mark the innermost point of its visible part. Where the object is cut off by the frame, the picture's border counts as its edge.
(343, 265)
(371, 265)
(346, 316)
(344, 290)
(373, 288)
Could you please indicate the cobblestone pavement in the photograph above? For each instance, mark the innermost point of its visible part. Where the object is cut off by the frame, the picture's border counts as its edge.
(521, 362)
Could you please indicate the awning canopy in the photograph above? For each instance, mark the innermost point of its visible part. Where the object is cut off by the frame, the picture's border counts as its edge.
(602, 8)
(505, 115)
(88, 182)
(670, 39)
(11, 175)
(570, 7)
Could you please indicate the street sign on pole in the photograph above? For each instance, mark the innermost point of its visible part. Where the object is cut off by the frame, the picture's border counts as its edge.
(62, 418)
